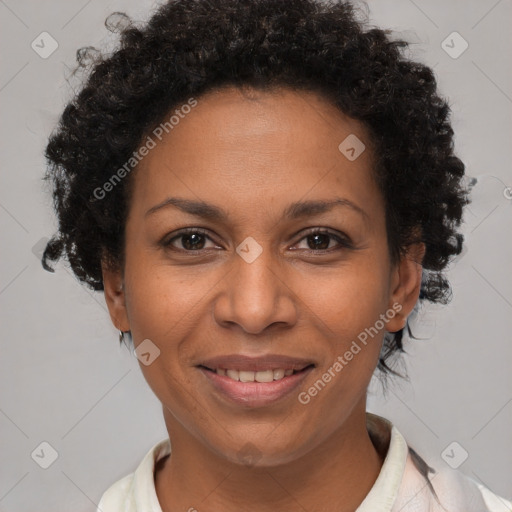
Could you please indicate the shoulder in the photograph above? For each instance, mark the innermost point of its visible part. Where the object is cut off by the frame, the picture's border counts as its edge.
(136, 492)
(410, 483)
(459, 492)
(443, 489)
(117, 498)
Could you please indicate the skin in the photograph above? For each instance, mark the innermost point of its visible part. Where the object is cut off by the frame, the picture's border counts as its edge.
(252, 155)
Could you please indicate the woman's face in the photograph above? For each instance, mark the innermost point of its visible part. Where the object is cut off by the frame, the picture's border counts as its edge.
(256, 280)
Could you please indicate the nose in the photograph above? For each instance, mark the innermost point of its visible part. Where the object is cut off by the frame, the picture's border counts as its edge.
(257, 292)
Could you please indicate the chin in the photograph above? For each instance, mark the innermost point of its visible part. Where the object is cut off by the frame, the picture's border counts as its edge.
(261, 451)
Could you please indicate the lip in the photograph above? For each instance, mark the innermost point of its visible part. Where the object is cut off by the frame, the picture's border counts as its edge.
(255, 394)
(255, 364)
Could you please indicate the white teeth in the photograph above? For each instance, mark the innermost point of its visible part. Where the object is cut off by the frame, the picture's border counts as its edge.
(245, 376)
(261, 376)
(232, 374)
(265, 376)
(279, 374)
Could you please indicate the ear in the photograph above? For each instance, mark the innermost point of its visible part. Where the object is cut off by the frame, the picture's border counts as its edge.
(113, 285)
(405, 285)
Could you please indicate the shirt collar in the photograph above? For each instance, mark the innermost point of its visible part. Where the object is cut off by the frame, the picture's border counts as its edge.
(144, 492)
(386, 438)
(389, 441)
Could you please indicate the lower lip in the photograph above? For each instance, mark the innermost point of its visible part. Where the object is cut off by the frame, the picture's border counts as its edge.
(255, 394)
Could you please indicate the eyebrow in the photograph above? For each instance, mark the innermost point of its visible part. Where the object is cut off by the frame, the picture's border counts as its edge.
(295, 210)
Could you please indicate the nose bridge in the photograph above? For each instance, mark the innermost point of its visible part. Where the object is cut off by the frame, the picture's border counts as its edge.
(255, 278)
(256, 295)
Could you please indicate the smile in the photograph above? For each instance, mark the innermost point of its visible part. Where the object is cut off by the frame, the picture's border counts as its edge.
(254, 388)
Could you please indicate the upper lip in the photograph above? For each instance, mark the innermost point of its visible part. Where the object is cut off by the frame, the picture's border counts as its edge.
(254, 364)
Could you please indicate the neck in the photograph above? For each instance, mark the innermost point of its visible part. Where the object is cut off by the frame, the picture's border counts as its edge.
(335, 475)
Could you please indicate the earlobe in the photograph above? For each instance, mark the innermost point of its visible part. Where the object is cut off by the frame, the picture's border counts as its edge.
(406, 285)
(114, 292)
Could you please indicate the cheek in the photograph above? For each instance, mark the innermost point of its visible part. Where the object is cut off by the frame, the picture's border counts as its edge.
(167, 304)
(161, 298)
(164, 301)
(347, 312)
(161, 305)
(349, 299)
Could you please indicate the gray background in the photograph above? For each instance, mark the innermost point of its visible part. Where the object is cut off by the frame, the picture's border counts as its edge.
(66, 381)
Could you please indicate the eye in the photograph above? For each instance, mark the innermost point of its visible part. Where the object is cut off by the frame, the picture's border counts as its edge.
(319, 240)
(192, 239)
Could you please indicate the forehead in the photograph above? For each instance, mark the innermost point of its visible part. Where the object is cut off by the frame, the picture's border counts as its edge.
(246, 149)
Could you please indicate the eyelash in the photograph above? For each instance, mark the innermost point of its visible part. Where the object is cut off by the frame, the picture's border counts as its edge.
(344, 242)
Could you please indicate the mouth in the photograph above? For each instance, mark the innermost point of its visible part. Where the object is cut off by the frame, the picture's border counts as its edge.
(254, 389)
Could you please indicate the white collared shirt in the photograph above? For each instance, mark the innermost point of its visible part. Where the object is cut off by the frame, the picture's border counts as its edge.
(400, 487)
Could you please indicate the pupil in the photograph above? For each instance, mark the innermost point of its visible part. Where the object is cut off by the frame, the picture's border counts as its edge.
(193, 245)
(324, 246)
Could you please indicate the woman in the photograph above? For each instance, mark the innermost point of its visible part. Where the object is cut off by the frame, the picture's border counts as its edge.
(264, 191)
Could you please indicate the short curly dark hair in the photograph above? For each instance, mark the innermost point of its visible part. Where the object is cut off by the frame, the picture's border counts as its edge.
(190, 47)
